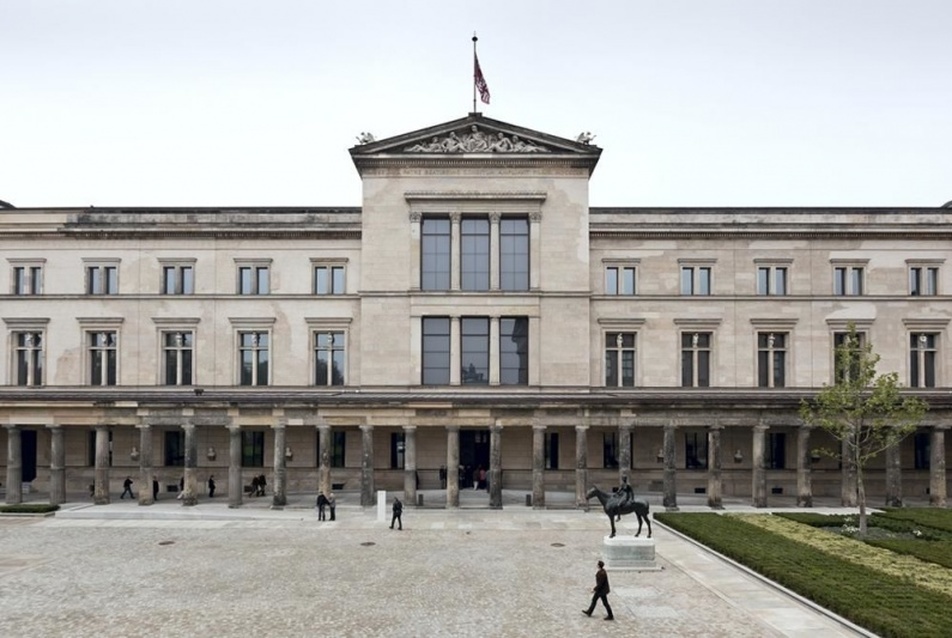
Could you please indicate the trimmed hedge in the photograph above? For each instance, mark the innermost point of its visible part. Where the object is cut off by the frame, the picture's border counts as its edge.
(933, 517)
(938, 552)
(28, 508)
(886, 605)
(904, 525)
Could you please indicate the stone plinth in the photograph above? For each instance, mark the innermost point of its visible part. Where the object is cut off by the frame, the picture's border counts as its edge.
(629, 553)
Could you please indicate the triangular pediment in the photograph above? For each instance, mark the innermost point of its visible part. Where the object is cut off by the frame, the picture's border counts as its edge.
(475, 135)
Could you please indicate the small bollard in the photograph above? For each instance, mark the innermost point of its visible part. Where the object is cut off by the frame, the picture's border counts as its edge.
(419, 500)
(528, 500)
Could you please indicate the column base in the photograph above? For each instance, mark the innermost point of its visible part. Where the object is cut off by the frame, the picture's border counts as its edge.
(629, 553)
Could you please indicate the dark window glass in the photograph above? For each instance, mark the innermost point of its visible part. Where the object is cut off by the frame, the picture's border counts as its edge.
(609, 450)
(695, 451)
(620, 359)
(922, 360)
(435, 254)
(397, 450)
(253, 350)
(252, 448)
(695, 359)
(436, 351)
(923, 450)
(329, 358)
(514, 253)
(474, 350)
(776, 451)
(552, 451)
(474, 254)
(102, 358)
(177, 347)
(174, 448)
(338, 447)
(771, 359)
(514, 351)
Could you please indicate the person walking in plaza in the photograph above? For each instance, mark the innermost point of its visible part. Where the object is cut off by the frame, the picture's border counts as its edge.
(321, 506)
(155, 489)
(600, 592)
(127, 488)
(211, 486)
(397, 513)
(332, 504)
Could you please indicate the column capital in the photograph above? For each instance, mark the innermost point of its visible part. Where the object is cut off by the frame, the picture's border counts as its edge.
(188, 425)
(539, 426)
(456, 217)
(280, 423)
(366, 428)
(409, 428)
(53, 426)
(142, 425)
(233, 428)
(11, 426)
(715, 427)
(452, 428)
(323, 426)
(761, 427)
(939, 427)
(581, 428)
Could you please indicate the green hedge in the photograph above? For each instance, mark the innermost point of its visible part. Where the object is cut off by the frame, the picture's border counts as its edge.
(938, 552)
(28, 508)
(933, 517)
(888, 606)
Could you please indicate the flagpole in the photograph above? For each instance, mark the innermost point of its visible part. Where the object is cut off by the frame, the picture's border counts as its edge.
(474, 71)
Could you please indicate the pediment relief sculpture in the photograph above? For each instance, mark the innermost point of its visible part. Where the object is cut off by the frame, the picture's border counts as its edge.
(475, 141)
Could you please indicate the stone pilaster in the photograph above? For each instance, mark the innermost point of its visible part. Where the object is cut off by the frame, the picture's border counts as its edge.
(848, 495)
(190, 491)
(535, 249)
(367, 465)
(101, 483)
(893, 476)
(494, 350)
(714, 480)
(670, 478)
(14, 465)
(495, 467)
(279, 480)
(455, 219)
(146, 473)
(937, 478)
(581, 465)
(415, 245)
(324, 463)
(57, 465)
(538, 467)
(494, 250)
(235, 488)
(624, 453)
(409, 464)
(804, 468)
(452, 466)
(758, 471)
(455, 354)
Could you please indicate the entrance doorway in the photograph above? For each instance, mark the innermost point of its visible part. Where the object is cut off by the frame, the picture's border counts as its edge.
(28, 454)
(473, 453)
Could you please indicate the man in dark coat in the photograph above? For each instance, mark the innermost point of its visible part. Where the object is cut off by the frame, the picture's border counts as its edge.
(322, 504)
(397, 513)
(127, 488)
(600, 592)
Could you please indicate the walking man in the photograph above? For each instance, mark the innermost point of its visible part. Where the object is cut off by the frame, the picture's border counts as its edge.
(211, 486)
(127, 488)
(600, 592)
(397, 513)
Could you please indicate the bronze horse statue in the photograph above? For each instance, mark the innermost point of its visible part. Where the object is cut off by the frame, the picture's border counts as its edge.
(616, 504)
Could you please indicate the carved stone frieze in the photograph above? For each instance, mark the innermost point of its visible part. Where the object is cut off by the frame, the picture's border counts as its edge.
(475, 141)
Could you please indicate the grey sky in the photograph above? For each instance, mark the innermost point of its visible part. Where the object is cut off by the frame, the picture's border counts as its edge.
(696, 102)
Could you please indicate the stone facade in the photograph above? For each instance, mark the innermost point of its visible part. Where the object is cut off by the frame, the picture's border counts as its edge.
(476, 311)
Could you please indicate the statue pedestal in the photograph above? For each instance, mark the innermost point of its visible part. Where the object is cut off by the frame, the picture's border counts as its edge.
(629, 553)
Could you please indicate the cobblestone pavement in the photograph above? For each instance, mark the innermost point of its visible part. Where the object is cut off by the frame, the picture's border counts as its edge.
(257, 572)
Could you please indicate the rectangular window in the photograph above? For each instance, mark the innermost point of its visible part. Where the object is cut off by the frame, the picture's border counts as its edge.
(101, 351)
(329, 358)
(847, 355)
(922, 443)
(27, 280)
(398, 450)
(776, 451)
(474, 254)
(620, 280)
(609, 450)
(695, 451)
(848, 281)
(771, 280)
(620, 359)
(514, 253)
(174, 448)
(28, 358)
(436, 351)
(178, 279)
(177, 357)
(922, 359)
(695, 359)
(252, 448)
(435, 253)
(695, 280)
(254, 280)
(474, 350)
(552, 451)
(253, 352)
(923, 281)
(338, 446)
(771, 359)
(102, 280)
(329, 280)
(514, 351)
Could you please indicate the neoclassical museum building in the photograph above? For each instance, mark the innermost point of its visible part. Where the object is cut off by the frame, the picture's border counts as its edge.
(474, 310)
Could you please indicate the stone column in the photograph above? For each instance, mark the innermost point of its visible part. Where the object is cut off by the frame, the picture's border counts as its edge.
(101, 483)
(415, 238)
(848, 495)
(409, 464)
(937, 490)
(758, 471)
(670, 498)
(14, 465)
(624, 453)
(279, 496)
(494, 251)
(455, 251)
(455, 355)
(235, 488)
(538, 467)
(57, 465)
(324, 464)
(367, 465)
(452, 466)
(535, 249)
(714, 481)
(146, 473)
(581, 465)
(495, 467)
(190, 492)
(494, 350)
(804, 468)
(893, 476)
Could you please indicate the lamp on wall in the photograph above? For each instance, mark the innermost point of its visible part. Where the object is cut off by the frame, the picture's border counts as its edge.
(738, 456)
(134, 453)
(288, 453)
(211, 453)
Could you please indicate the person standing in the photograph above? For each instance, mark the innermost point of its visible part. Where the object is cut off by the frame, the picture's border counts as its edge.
(397, 513)
(127, 488)
(442, 477)
(321, 506)
(155, 489)
(332, 504)
(600, 592)
(211, 486)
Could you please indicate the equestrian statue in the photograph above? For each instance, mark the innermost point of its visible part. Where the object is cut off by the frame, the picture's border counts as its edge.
(623, 501)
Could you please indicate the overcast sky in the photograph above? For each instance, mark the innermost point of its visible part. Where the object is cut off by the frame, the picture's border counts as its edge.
(695, 102)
